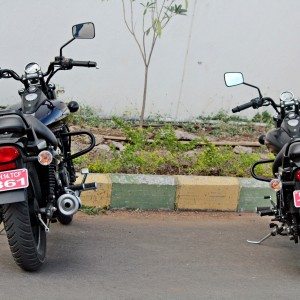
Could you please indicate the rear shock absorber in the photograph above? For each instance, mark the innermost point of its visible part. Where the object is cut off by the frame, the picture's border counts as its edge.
(51, 190)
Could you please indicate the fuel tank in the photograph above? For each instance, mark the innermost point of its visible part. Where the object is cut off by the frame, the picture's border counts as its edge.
(289, 129)
(50, 114)
(276, 139)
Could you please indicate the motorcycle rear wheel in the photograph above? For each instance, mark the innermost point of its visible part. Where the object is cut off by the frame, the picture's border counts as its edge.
(64, 220)
(26, 235)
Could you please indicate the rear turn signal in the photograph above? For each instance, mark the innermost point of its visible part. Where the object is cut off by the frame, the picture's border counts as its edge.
(45, 158)
(297, 175)
(276, 185)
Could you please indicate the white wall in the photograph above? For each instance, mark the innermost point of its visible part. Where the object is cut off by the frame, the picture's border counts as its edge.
(258, 37)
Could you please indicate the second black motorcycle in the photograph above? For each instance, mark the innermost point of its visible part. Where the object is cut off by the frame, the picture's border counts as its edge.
(284, 142)
(37, 176)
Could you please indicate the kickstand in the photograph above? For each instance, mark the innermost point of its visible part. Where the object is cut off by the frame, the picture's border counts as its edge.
(260, 241)
(274, 232)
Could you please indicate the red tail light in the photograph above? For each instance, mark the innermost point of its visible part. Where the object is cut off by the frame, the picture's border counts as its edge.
(8, 154)
(297, 175)
(8, 166)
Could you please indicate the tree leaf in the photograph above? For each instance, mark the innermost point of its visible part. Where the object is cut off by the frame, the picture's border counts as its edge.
(157, 27)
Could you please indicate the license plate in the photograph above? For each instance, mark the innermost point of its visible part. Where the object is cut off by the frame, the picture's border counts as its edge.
(296, 195)
(13, 180)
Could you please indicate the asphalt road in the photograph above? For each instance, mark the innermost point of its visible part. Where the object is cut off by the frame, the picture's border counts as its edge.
(127, 255)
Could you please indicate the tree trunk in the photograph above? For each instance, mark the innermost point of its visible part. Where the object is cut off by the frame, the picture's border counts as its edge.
(144, 96)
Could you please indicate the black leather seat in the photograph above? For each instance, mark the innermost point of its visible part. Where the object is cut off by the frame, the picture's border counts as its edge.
(14, 124)
(11, 123)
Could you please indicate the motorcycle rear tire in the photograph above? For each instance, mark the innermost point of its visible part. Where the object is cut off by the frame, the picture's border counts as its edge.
(25, 233)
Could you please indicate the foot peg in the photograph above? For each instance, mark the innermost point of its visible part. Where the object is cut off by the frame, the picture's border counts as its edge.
(265, 211)
(83, 187)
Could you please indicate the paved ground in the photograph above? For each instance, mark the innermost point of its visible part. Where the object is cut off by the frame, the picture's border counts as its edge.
(127, 255)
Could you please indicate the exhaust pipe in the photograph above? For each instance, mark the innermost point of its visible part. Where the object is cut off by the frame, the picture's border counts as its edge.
(68, 204)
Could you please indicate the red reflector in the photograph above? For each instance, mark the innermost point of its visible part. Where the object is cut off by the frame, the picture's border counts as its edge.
(297, 175)
(8, 166)
(8, 154)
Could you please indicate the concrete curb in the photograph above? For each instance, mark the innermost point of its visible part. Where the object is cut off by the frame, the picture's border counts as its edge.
(252, 194)
(155, 192)
(207, 193)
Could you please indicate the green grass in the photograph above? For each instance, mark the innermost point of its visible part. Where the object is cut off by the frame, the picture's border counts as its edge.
(91, 210)
(166, 155)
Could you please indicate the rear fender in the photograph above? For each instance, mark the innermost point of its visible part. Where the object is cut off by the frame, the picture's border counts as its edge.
(13, 196)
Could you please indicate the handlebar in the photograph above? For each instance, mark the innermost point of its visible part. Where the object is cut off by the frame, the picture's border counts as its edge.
(63, 63)
(69, 63)
(241, 107)
(88, 64)
(6, 73)
(255, 103)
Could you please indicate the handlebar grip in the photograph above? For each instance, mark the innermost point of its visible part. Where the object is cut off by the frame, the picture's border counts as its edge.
(88, 64)
(242, 107)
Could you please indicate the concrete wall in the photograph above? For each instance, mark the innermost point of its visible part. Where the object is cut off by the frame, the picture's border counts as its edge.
(258, 37)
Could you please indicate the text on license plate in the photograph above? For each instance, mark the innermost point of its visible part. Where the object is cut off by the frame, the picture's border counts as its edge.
(13, 180)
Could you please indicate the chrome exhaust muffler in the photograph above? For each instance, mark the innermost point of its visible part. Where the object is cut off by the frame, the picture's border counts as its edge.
(68, 204)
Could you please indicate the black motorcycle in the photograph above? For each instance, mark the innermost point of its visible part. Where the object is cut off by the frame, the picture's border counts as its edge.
(37, 176)
(284, 142)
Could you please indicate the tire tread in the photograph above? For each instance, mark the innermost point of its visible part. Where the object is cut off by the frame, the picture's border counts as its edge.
(20, 237)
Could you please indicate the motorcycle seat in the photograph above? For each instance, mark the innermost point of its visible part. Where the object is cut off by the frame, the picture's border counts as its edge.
(11, 124)
(294, 151)
(14, 124)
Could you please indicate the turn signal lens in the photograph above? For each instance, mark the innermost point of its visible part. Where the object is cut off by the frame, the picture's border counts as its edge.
(8, 154)
(45, 158)
(297, 175)
(276, 185)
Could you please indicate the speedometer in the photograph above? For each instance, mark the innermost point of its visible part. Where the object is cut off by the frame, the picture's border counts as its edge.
(32, 68)
(287, 96)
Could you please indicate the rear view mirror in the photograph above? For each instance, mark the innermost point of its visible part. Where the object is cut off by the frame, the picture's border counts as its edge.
(232, 79)
(84, 31)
